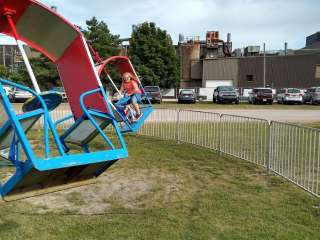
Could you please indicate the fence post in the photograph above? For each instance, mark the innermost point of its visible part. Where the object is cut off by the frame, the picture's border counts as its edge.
(269, 146)
(177, 126)
(220, 132)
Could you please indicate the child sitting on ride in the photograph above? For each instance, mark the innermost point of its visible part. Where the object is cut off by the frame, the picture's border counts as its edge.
(132, 95)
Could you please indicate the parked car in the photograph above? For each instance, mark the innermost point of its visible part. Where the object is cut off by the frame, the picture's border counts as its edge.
(187, 95)
(19, 95)
(61, 91)
(8, 90)
(261, 95)
(289, 95)
(312, 95)
(223, 94)
(153, 93)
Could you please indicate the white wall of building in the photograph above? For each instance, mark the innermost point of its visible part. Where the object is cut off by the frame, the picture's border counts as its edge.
(216, 83)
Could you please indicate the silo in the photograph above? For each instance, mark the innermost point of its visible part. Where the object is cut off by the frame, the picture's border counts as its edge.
(188, 52)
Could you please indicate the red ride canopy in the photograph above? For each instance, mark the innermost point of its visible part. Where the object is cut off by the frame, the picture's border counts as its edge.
(52, 35)
(121, 63)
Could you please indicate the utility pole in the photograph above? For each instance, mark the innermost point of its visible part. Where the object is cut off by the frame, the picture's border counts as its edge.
(264, 64)
(285, 48)
(12, 58)
(4, 55)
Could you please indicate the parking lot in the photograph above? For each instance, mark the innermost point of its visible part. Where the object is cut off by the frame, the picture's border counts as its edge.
(294, 113)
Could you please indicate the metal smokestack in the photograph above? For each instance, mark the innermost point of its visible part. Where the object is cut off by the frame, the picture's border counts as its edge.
(228, 37)
(181, 38)
(285, 48)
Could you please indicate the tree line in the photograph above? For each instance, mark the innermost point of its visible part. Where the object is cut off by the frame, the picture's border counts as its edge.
(150, 49)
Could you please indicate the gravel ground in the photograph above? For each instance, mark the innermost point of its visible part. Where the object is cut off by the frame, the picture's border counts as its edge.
(277, 115)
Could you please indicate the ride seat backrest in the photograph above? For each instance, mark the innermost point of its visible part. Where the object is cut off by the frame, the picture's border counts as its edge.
(3, 114)
(7, 136)
(6, 130)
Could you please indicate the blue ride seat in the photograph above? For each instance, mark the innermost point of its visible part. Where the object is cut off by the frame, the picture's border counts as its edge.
(36, 174)
(136, 125)
(31, 114)
(128, 125)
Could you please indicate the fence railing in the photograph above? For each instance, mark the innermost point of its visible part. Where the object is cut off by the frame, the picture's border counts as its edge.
(288, 150)
(295, 155)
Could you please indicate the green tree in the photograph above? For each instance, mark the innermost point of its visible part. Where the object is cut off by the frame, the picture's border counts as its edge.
(3, 71)
(153, 54)
(46, 72)
(98, 33)
(20, 76)
(105, 43)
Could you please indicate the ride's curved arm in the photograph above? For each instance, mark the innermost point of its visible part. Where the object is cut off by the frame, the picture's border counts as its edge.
(59, 40)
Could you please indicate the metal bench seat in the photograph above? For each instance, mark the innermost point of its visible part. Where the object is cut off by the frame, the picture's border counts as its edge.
(83, 131)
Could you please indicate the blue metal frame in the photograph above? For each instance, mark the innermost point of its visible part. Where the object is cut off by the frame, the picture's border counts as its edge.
(15, 119)
(89, 113)
(63, 120)
(145, 94)
(64, 160)
(134, 126)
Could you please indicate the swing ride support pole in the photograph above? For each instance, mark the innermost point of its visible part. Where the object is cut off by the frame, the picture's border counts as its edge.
(134, 71)
(113, 84)
(8, 15)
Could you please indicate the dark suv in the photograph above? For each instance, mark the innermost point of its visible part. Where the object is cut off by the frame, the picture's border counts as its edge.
(187, 96)
(261, 95)
(153, 93)
(224, 94)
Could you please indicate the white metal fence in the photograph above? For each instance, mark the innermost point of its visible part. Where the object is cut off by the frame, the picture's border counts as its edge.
(288, 150)
(294, 154)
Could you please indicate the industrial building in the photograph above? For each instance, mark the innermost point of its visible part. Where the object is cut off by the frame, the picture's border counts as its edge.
(191, 52)
(301, 71)
(11, 58)
(203, 68)
(313, 41)
(8, 56)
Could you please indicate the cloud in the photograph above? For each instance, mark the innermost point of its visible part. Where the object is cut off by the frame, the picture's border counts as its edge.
(249, 21)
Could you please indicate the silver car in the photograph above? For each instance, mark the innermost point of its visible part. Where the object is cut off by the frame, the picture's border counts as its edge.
(8, 90)
(312, 95)
(19, 95)
(289, 95)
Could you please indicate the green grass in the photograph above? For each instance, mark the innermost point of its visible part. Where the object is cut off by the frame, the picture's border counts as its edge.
(246, 138)
(293, 152)
(213, 106)
(169, 191)
(313, 125)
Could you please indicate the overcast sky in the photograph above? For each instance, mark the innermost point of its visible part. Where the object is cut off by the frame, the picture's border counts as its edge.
(251, 22)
